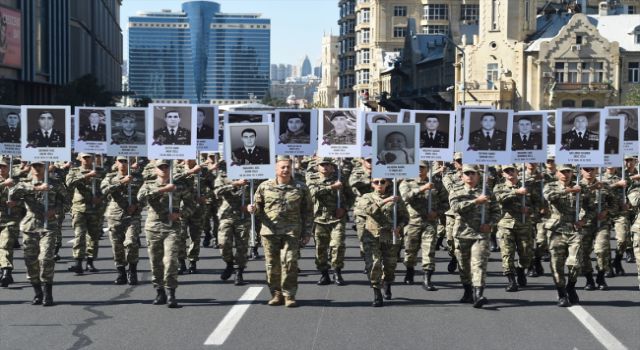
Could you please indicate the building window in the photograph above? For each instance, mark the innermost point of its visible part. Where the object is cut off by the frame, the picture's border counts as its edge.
(598, 73)
(399, 32)
(365, 56)
(588, 104)
(558, 72)
(494, 15)
(436, 12)
(585, 71)
(493, 73)
(400, 11)
(631, 10)
(364, 36)
(637, 35)
(469, 12)
(436, 29)
(578, 39)
(364, 16)
(572, 74)
(568, 103)
(634, 72)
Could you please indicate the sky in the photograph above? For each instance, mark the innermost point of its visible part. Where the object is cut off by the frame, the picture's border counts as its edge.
(297, 26)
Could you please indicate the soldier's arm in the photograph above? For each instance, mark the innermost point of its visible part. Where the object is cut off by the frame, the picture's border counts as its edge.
(320, 191)
(460, 203)
(109, 184)
(148, 192)
(402, 214)
(494, 210)
(74, 178)
(60, 195)
(505, 195)
(306, 209)
(187, 208)
(410, 194)
(359, 184)
(552, 192)
(258, 199)
(634, 197)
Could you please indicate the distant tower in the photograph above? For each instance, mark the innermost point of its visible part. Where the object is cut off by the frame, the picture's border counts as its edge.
(306, 67)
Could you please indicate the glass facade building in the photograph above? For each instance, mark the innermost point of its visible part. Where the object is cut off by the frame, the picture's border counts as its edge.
(199, 55)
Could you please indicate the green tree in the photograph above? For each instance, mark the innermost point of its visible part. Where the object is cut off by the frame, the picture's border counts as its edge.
(632, 97)
(85, 91)
(141, 101)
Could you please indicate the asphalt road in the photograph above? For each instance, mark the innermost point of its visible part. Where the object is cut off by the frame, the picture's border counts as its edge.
(93, 313)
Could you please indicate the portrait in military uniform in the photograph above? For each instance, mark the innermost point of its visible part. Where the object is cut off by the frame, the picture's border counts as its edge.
(339, 127)
(527, 132)
(249, 145)
(172, 125)
(127, 127)
(294, 127)
(9, 125)
(91, 124)
(630, 117)
(376, 118)
(580, 130)
(551, 127)
(487, 131)
(612, 136)
(461, 115)
(46, 128)
(205, 123)
(434, 129)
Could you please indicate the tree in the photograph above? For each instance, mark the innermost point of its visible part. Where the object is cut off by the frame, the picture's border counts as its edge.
(632, 97)
(85, 91)
(141, 101)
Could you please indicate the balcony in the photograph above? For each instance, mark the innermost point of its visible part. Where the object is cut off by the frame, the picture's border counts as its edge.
(576, 87)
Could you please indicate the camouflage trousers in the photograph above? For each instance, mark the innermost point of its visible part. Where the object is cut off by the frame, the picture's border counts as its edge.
(380, 259)
(329, 237)
(623, 235)
(87, 228)
(191, 233)
(518, 239)
(565, 247)
(541, 239)
(281, 253)
(419, 235)
(163, 257)
(596, 239)
(210, 223)
(234, 233)
(473, 256)
(124, 234)
(636, 251)
(360, 222)
(38, 248)
(450, 221)
(8, 236)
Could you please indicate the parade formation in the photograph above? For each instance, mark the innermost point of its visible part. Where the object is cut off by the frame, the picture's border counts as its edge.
(173, 178)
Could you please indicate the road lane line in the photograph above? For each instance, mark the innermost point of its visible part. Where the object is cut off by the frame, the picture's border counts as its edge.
(599, 332)
(231, 319)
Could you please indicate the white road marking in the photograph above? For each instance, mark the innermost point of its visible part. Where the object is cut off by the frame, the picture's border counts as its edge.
(599, 332)
(71, 240)
(233, 317)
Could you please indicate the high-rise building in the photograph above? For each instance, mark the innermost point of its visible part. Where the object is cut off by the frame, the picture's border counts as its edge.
(306, 67)
(346, 57)
(199, 54)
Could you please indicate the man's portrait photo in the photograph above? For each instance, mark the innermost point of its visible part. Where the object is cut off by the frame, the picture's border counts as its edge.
(551, 128)
(295, 128)
(92, 125)
(249, 144)
(376, 118)
(612, 137)
(172, 125)
(10, 125)
(488, 131)
(46, 128)
(527, 132)
(434, 129)
(580, 130)
(339, 127)
(244, 117)
(630, 118)
(127, 127)
(204, 123)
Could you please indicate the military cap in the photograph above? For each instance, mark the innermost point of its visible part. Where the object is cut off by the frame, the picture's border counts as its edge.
(553, 158)
(128, 116)
(629, 156)
(424, 163)
(325, 160)
(3, 162)
(469, 167)
(283, 158)
(122, 158)
(337, 114)
(35, 162)
(508, 166)
(160, 162)
(82, 155)
(375, 118)
(563, 167)
(457, 155)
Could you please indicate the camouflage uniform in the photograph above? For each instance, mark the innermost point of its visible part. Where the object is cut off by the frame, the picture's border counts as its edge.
(348, 137)
(9, 230)
(622, 219)
(235, 222)
(634, 200)
(286, 212)
(360, 182)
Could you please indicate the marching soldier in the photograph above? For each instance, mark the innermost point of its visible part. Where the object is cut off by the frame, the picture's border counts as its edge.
(123, 217)
(621, 218)
(360, 181)
(634, 200)
(285, 208)
(11, 211)
(451, 181)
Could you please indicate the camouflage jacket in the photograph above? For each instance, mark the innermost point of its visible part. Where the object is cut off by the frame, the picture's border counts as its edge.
(468, 213)
(418, 202)
(325, 199)
(634, 202)
(360, 182)
(84, 190)
(233, 200)
(563, 206)
(204, 179)
(10, 216)
(158, 205)
(511, 203)
(284, 209)
(607, 199)
(118, 194)
(34, 201)
(380, 215)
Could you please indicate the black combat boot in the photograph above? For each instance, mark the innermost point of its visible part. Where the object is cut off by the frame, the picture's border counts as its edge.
(439, 243)
(590, 285)
(521, 277)
(77, 268)
(563, 300)
(161, 297)
(324, 278)
(478, 298)
(631, 258)
(601, 282)
(172, 303)
(56, 253)
(617, 264)
(254, 253)
(193, 269)
(467, 297)
(408, 277)
(47, 299)
(494, 243)
(453, 265)
(337, 277)
(239, 280)
(6, 279)
(512, 286)
(377, 298)
(122, 275)
(182, 268)
(609, 273)
(571, 293)
(132, 274)
(427, 284)
(37, 299)
(387, 290)
(90, 266)
(206, 240)
(227, 272)
(537, 264)
(531, 271)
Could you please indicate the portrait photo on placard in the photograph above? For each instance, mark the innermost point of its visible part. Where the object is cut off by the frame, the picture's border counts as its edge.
(339, 127)
(91, 124)
(294, 127)
(207, 128)
(249, 144)
(127, 126)
(172, 125)
(612, 136)
(579, 136)
(10, 130)
(487, 130)
(527, 132)
(434, 128)
(461, 114)
(46, 127)
(629, 115)
(395, 144)
(376, 118)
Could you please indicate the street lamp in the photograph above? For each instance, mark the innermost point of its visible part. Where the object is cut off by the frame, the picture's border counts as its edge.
(464, 68)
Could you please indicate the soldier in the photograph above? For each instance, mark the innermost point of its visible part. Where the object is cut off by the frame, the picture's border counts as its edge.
(380, 253)
(11, 211)
(286, 209)
(535, 180)
(84, 184)
(360, 182)
(172, 133)
(235, 224)
(45, 135)
(212, 222)
(10, 133)
(128, 134)
(515, 228)
(451, 181)
(162, 229)
(565, 232)
(38, 229)
(123, 217)
(329, 221)
(295, 133)
(95, 130)
(580, 137)
(471, 235)
(423, 201)
(621, 218)
(634, 200)
(341, 133)
(633, 179)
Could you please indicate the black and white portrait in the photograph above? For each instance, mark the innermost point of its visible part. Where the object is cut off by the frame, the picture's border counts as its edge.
(9, 124)
(488, 130)
(580, 130)
(205, 123)
(395, 150)
(127, 127)
(46, 128)
(434, 129)
(461, 114)
(527, 132)
(612, 136)
(92, 125)
(376, 118)
(249, 144)
(172, 125)
(339, 127)
(294, 127)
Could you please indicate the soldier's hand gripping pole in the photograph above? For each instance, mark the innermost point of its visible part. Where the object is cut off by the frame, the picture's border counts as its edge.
(46, 196)
(429, 199)
(578, 194)
(484, 192)
(129, 184)
(395, 212)
(524, 196)
(253, 216)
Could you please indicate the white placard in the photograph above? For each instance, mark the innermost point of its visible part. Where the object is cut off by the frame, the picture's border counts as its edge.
(126, 131)
(249, 150)
(631, 126)
(491, 149)
(90, 130)
(395, 150)
(529, 139)
(366, 134)
(405, 116)
(338, 133)
(232, 117)
(437, 134)
(613, 143)
(171, 131)
(578, 138)
(46, 133)
(10, 127)
(297, 131)
(207, 128)
(460, 142)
